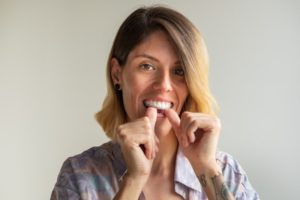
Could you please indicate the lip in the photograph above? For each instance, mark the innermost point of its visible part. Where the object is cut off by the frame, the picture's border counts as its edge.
(158, 100)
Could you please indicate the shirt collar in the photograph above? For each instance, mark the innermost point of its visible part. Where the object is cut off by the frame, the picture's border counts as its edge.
(184, 172)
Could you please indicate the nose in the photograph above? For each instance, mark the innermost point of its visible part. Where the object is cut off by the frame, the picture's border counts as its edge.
(163, 82)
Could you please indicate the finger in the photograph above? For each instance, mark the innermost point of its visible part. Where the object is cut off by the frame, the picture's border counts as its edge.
(191, 131)
(188, 119)
(149, 150)
(156, 148)
(137, 134)
(152, 114)
(176, 123)
(156, 144)
(156, 140)
(173, 118)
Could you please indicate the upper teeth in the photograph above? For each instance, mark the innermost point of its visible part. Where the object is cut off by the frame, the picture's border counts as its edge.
(163, 105)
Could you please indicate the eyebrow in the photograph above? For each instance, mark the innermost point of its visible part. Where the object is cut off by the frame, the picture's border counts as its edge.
(144, 55)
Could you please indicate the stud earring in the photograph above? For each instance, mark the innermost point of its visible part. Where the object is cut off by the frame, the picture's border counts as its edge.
(117, 87)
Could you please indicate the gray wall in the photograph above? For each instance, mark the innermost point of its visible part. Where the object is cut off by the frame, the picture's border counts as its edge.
(52, 81)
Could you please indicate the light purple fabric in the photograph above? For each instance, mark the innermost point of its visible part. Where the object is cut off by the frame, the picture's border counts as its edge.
(96, 174)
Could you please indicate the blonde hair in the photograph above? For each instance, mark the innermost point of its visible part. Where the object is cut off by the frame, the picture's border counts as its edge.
(189, 45)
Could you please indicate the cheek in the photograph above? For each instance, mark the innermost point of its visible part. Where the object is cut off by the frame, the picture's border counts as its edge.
(183, 89)
(130, 105)
(182, 94)
(134, 84)
(132, 88)
(132, 91)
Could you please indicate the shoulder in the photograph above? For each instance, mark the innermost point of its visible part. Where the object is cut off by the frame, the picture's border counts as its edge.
(106, 158)
(96, 155)
(235, 177)
(229, 164)
(88, 158)
(90, 172)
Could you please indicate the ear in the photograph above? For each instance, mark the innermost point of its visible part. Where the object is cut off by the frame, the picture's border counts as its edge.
(115, 71)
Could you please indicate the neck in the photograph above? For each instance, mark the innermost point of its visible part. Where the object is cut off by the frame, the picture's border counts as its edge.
(164, 162)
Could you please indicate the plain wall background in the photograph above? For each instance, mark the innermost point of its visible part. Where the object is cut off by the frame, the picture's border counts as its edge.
(52, 81)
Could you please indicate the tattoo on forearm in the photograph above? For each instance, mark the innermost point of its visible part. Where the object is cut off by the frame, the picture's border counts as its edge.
(203, 181)
(225, 192)
(217, 187)
(221, 190)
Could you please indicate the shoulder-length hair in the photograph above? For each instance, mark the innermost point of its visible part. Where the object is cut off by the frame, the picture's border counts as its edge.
(191, 51)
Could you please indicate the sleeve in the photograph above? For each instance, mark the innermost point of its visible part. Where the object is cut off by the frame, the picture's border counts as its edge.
(66, 185)
(236, 178)
(248, 192)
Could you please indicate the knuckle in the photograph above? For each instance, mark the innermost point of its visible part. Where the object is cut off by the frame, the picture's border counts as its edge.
(187, 115)
(194, 123)
(126, 140)
(120, 130)
(148, 130)
(145, 119)
(123, 137)
(190, 118)
(146, 125)
(148, 137)
(217, 122)
(184, 114)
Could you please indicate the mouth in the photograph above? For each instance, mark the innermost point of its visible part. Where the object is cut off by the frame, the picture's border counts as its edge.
(161, 106)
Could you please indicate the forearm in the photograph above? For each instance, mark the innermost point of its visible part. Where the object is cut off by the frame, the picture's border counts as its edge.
(130, 189)
(214, 185)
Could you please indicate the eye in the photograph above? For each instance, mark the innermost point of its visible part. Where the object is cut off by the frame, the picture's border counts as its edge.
(179, 71)
(147, 66)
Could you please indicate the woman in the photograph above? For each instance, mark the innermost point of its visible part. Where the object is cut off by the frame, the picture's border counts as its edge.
(161, 118)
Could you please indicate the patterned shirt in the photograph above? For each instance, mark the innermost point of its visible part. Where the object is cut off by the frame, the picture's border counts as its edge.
(97, 173)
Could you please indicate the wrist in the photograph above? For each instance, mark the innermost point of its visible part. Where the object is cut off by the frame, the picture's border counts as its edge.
(213, 183)
(136, 178)
(131, 188)
(209, 170)
(137, 182)
(212, 170)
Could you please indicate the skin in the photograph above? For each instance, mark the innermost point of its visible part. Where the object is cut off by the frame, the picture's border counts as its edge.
(149, 140)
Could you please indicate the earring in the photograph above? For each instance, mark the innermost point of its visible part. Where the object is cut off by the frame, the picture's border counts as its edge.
(117, 87)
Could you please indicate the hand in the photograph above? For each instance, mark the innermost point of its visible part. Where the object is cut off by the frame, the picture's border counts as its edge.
(139, 144)
(198, 136)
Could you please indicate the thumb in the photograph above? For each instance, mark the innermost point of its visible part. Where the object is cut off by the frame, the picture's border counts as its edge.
(152, 114)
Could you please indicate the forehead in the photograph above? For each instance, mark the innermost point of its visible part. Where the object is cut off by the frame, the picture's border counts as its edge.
(157, 45)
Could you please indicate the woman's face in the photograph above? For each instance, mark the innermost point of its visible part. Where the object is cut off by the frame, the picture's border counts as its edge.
(152, 76)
